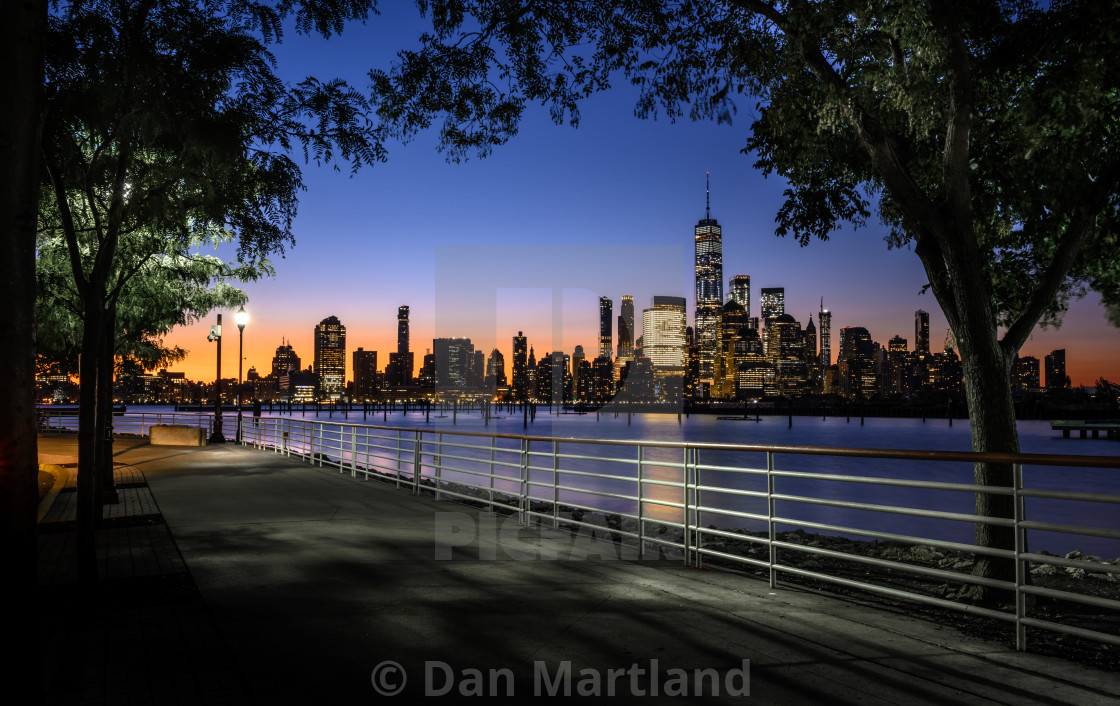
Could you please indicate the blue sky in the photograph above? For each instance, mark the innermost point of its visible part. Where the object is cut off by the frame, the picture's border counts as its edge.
(551, 221)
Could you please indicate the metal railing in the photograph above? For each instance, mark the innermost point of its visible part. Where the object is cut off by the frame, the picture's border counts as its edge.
(736, 504)
(65, 421)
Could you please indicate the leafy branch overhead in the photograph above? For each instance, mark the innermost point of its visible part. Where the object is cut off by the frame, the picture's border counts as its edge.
(981, 131)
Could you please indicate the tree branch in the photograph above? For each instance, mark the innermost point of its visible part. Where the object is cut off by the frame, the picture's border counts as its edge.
(958, 132)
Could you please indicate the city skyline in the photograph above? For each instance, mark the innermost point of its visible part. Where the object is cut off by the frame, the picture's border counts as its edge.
(369, 244)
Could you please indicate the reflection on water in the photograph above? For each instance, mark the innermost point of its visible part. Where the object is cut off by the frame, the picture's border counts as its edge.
(662, 493)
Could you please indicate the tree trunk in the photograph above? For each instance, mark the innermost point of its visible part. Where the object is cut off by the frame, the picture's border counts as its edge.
(89, 424)
(22, 31)
(991, 413)
(106, 489)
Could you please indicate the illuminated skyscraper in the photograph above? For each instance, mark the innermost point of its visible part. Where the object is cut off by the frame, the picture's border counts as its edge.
(606, 323)
(709, 285)
(626, 328)
(454, 359)
(330, 357)
(773, 303)
(811, 343)
(400, 367)
(520, 381)
(1056, 370)
(825, 319)
(740, 292)
(732, 320)
(921, 333)
(664, 338)
(285, 360)
(495, 370)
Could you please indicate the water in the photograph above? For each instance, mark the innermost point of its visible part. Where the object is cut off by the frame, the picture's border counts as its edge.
(872, 433)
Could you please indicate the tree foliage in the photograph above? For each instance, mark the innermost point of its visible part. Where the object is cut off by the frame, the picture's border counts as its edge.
(985, 123)
(165, 126)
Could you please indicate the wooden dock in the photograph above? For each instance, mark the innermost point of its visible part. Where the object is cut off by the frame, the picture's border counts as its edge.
(1111, 429)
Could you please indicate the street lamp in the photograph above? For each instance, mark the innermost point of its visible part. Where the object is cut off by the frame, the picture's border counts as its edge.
(241, 318)
(216, 335)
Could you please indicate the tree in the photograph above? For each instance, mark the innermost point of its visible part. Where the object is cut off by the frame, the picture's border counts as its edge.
(984, 132)
(22, 27)
(165, 122)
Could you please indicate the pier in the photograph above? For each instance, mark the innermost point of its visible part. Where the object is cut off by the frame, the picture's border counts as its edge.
(1111, 429)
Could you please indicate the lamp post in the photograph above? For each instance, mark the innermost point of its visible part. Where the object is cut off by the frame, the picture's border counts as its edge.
(216, 335)
(241, 318)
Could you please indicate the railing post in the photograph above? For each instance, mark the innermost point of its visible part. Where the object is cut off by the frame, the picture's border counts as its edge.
(641, 522)
(697, 498)
(398, 474)
(416, 445)
(687, 535)
(1020, 563)
(365, 440)
(493, 440)
(438, 463)
(555, 483)
(354, 452)
(770, 516)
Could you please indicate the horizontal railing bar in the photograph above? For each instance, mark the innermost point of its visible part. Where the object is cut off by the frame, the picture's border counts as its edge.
(898, 510)
(1098, 601)
(901, 565)
(1070, 529)
(1069, 495)
(731, 491)
(896, 593)
(901, 538)
(599, 459)
(1072, 563)
(900, 482)
(592, 474)
(1071, 630)
(761, 563)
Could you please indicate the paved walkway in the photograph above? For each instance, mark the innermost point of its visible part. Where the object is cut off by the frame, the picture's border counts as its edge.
(254, 578)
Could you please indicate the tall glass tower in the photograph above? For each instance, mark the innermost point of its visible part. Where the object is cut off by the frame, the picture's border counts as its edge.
(740, 286)
(825, 336)
(330, 357)
(709, 284)
(606, 319)
(921, 333)
(626, 328)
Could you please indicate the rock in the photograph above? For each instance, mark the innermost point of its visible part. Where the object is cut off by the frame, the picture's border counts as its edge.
(962, 565)
(1045, 570)
(1075, 554)
(1075, 573)
(926, 552)
(810, 564)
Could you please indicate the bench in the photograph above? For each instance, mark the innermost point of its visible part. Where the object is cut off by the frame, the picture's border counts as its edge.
(176, 435)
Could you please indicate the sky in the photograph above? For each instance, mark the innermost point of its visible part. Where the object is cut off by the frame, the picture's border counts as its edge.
(528, 238)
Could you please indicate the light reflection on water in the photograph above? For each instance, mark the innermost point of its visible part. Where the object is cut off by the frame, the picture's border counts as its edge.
(894, 433)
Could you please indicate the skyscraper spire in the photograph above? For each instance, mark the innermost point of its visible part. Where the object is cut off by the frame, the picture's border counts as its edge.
(708, 195)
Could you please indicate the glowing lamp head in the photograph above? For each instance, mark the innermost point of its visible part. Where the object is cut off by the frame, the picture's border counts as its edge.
(241, 317)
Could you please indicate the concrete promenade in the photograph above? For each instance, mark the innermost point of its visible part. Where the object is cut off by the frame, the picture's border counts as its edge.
(238, 576)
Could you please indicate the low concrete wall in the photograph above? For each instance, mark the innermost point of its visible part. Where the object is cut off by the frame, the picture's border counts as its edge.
(176, 435)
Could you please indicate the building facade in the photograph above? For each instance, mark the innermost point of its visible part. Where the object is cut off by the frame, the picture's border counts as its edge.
(330, 358)
(708, 238)
(626, 328)
(606, 323)
(365, 374)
